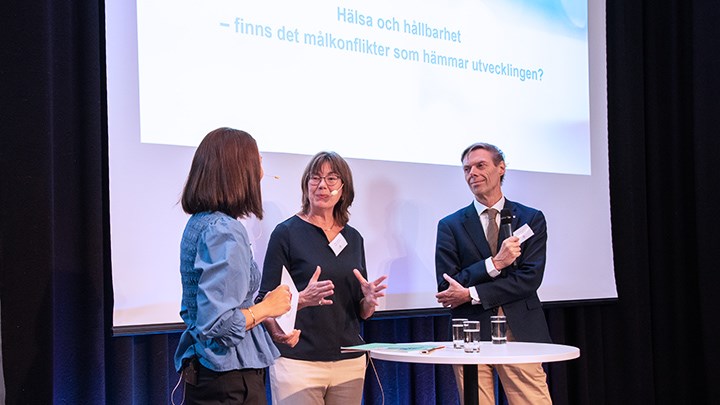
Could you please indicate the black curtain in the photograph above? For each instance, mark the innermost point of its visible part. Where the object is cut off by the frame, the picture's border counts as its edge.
(656, 344)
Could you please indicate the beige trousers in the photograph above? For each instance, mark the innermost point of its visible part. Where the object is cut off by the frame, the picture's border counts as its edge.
(317, 382)
(522, 383)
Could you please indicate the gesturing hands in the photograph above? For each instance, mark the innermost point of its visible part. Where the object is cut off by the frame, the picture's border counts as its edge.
(371, 291)
(316, 291)
(455, 295)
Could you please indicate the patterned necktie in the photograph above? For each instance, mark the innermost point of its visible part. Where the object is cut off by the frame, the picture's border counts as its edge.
(492, 230)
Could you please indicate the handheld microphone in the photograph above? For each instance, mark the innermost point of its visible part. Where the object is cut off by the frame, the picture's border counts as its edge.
(337, 190)
(506, 230)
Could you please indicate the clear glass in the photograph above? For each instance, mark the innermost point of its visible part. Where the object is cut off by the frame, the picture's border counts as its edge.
(498, 329)
(472, 336)
(458, 335)
(330, 179)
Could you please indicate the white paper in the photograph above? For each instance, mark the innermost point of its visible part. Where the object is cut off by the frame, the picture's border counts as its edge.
(524, 233)
(286, 321)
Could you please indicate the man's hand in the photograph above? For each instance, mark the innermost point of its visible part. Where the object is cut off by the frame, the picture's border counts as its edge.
(455, 295)
(509, 251)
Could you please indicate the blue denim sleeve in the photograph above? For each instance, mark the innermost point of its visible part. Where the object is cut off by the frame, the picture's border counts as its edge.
(225, 258)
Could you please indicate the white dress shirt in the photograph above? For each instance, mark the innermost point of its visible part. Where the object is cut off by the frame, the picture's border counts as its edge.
(484, 220)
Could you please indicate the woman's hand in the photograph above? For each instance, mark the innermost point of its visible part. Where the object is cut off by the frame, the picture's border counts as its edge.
(291, 339)
(277, 334)
(372, 291)
(277, 301)
(316, 291)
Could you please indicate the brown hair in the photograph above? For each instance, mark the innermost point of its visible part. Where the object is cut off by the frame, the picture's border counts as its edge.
(225, 175)
(497, 154)
(339, 166)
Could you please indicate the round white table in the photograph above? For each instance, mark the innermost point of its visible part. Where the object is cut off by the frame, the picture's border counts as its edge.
(509, 353)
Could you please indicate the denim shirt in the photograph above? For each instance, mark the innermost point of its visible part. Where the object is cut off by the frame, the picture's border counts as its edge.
(219, 277)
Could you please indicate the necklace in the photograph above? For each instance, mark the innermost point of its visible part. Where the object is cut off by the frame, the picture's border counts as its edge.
(308, 219)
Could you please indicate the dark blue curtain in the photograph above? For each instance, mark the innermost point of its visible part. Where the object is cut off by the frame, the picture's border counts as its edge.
(409, 383)
(146, 364)
(656, 344)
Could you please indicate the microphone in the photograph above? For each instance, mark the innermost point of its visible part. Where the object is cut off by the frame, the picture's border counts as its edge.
(337, 190)
(506, 230)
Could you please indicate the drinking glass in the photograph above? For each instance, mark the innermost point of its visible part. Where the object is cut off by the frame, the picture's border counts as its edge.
(472, 336)
(458, 333)
(498, 329)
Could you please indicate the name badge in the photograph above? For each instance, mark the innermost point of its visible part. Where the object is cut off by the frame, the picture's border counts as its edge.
(524, 233)
(338, 244)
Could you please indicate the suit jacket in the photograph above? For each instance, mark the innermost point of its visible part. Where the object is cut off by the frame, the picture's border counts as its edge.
(461, 250)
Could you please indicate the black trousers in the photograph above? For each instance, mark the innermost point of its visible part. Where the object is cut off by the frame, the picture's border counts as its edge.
(228, 387)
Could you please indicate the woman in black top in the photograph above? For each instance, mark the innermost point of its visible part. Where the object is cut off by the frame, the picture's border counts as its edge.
(326, 259)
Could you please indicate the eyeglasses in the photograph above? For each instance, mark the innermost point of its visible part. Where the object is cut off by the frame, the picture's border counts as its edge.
(330, 180)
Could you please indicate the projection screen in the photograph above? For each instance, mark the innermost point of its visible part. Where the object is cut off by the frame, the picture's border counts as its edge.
(399, 88)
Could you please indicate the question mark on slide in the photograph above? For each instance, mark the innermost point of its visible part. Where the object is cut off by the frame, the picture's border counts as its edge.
(541, 73)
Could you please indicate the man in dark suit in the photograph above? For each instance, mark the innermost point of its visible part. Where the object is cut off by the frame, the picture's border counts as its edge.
(477, 280)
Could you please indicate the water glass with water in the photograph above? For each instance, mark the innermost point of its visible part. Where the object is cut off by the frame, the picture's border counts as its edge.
(458, 334)
(498, 328)
(472, 336)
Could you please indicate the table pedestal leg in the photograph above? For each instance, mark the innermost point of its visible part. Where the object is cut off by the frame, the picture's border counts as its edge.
(470, 384)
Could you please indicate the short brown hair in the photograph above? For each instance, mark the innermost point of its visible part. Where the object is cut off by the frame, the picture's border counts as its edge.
(339, 166)
(225, 175)
(497, 154)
